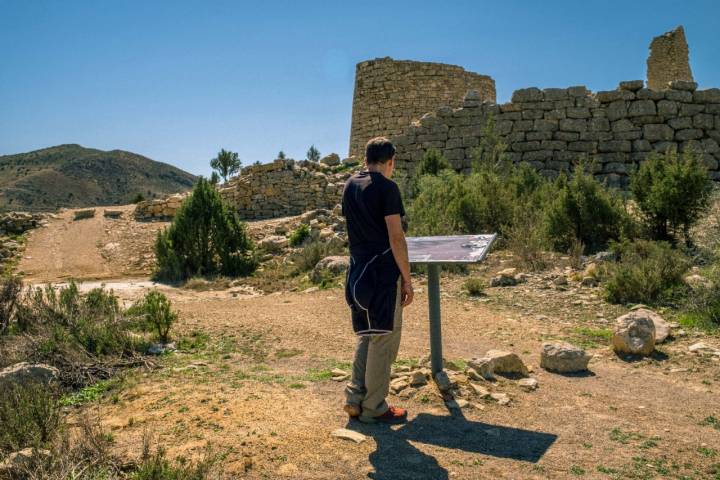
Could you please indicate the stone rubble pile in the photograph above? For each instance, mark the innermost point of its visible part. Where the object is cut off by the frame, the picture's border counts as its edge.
(278, 189)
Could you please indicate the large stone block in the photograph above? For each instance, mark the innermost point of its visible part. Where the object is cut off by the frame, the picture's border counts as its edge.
(531, 94)
(656, 132)
(573, 125)
(641, 107)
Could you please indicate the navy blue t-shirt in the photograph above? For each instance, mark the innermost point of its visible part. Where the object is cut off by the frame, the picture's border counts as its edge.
(367, 199)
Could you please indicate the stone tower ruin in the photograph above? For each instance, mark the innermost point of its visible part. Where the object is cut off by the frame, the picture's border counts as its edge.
(668, 60)
(390, 94)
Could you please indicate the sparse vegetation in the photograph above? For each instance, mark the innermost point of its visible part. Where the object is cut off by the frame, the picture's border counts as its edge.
(157, 314)
(647, 272)
(584, 210)
(299, 235)
(10, 291)
(205, 238)
(672, 192)
(30, 416)
(475, 286)
(226, 164)
(313, 154)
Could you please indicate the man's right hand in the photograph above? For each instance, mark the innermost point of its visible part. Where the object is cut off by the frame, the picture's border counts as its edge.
(407, 293)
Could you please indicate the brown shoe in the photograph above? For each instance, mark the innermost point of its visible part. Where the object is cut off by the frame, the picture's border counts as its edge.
(352, 410)
(392, 415)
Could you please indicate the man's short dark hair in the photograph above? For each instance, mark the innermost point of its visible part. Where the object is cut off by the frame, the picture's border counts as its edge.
(379, 150)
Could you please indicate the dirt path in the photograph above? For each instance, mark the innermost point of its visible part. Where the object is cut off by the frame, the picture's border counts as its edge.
(66, 249)
(251, 380)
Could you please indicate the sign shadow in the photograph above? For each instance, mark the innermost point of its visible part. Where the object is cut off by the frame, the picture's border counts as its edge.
(396, 458)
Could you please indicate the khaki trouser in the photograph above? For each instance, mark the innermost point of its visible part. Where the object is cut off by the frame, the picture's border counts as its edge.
(374, 357)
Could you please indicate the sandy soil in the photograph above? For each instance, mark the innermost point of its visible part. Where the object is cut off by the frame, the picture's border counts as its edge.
(250, 380)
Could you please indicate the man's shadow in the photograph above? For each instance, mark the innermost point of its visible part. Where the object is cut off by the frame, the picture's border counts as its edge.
(396, 458)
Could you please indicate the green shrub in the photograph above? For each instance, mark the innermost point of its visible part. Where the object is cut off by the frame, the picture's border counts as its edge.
(30, 416)
(10, 293)
(205, 238)
(156, 466)
(527, 239)
(672, 193)
(474, 286)
(491, 151)
(299, 235)
(66, 320)
(646, 272)
(702, 306)
(138, 198)
(584, 210)
(434, 209)
(157, 314)
(486, 201)
(432, 163)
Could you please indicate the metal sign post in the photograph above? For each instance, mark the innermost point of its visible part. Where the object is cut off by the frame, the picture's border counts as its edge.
(434, 252)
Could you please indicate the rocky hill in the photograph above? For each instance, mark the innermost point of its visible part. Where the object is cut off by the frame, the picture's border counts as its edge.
(75, 176)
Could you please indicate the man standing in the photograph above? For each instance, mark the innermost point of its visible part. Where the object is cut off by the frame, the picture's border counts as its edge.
(378, 283)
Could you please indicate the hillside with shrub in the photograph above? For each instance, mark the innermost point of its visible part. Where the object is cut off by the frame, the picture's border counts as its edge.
(75, 176)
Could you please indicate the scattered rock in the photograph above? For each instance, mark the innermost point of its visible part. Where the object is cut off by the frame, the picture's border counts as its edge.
(563, 358)
(504, 278)
(339, 375)
(25, 372)
(605, 256)
(588, 282)
(501, 398)
(702, 348)
(331, 160)
(20, 461)
(697, 281)
(480, 391)
(506, 363)
(160, 348)
(399, 384)
(443, 382)
(273, 243)
(662, 328)
(528, 384)
(634, 333)
(482, 368)
(418, 379)
(560, 280)
(334, 265)
(345, 434)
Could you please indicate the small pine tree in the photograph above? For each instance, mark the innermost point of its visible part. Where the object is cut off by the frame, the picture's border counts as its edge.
(582, 209)
(313, 154)
(672, 192)
(491, 151)
(205, 238)
(281, 155)
(432, 163)
(214, 178)
(226, 163)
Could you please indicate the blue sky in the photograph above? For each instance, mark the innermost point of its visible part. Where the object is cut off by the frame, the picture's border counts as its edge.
(178, 80)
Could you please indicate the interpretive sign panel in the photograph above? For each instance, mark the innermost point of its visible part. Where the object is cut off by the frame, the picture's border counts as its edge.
(449, 249)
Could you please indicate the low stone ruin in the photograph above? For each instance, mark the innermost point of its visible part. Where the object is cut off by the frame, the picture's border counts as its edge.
(278, 189)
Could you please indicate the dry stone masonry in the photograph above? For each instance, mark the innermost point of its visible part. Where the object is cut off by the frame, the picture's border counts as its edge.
(277, 189)
(389, 94)
(552, 128)
(668, 60)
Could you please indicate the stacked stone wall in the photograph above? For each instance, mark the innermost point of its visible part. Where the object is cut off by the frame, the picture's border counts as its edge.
(389, 94)
(278, 189)
(552, 129)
